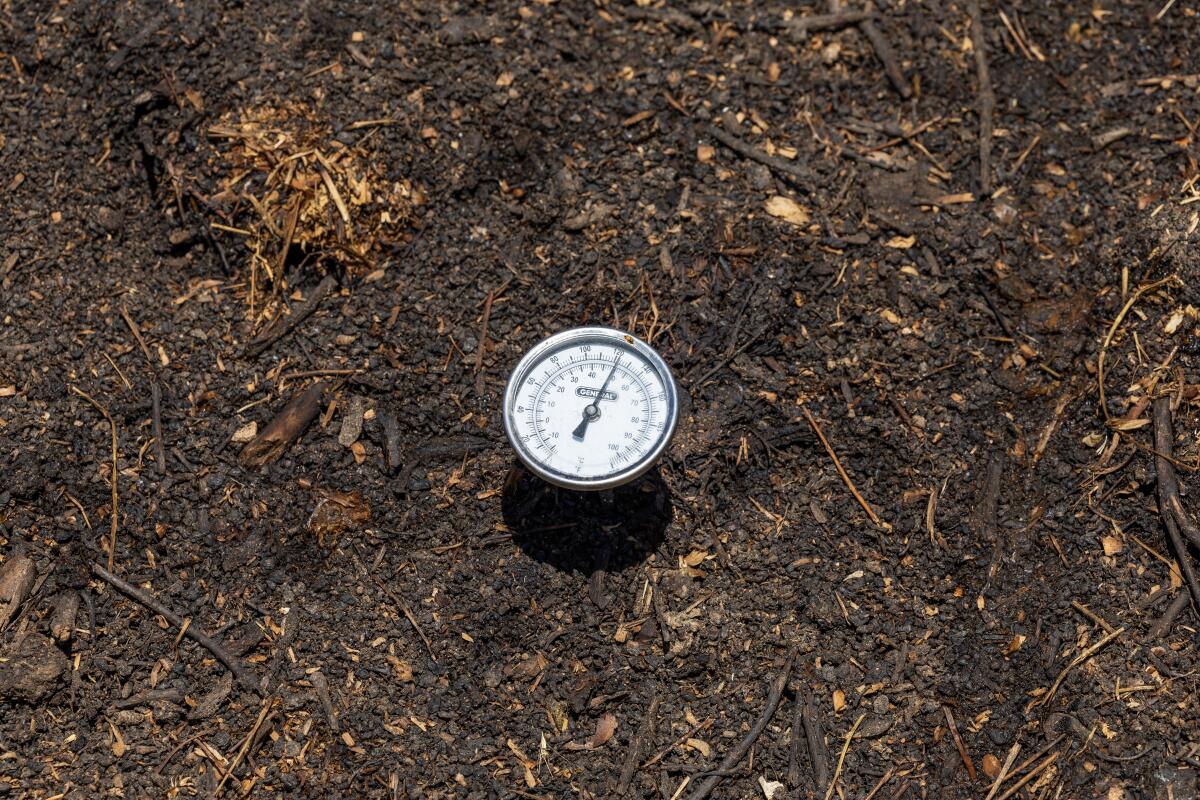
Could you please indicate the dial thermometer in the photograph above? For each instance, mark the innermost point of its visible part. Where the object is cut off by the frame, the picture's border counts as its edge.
(590, 408)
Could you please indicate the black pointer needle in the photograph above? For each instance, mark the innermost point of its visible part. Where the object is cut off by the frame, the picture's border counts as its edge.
(592, 410)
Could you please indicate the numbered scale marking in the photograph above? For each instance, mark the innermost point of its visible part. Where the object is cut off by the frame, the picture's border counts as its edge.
(590, 408)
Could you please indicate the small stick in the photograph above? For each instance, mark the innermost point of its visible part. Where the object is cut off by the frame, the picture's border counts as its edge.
(640, 739)
(160, 453)
(325, 169)
(837, 772)
(887, 56)
(883, 50)
(317, 679)
(736, 755)
(692, 731)
(726, 359)
(1046, 749)
(798, 175)
(316, 373)
(178, 747)
(962, 751)
(403, 606)
(285, 325)
(391, 439)
(193, 632)
(1012, 756)
(284, 429)
(289, 232)
(1075, 662)
(841, 471)
(137, 334)
(112, 539)
(800, 27)
(262, 715)
(887, 776)
(1092, 615)
(987, 99)
(660, 614)
(1168, 493)
(1151, 600)
(793, 773)
(1174, 610)
(1116, 323)
(1029, 776)
(817, 753)
(483, 330)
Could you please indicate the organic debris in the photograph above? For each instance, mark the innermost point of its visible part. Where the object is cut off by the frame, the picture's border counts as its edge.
(303, 196)
(337, 512)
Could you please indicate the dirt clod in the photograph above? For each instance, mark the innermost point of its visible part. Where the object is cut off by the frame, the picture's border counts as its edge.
(31, 669)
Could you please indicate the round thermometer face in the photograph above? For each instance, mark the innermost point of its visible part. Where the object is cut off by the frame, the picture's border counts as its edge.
(590, 408)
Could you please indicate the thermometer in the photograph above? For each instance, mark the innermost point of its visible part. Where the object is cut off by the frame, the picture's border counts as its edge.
(590, 408)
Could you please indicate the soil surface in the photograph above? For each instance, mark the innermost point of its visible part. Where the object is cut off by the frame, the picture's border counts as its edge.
(265, 268)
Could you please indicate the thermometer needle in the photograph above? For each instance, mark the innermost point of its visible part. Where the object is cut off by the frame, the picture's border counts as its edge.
(592, 410)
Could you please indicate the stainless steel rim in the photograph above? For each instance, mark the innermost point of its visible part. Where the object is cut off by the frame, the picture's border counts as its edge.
(605, 334)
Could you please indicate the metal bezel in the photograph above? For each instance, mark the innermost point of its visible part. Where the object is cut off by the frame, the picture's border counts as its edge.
(609, 336)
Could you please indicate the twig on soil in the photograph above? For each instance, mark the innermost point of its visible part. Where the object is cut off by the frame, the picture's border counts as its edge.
(175, 751)
(1050, 745)
(962, 751)
(326, 171)
(1060, 407)
(644, 733)
(1016, 787)
(285, 428)
(883, 49)
(250, 737)
(799, 27)
(837, 772)
(887, 776)
(289, 233)
(724, 360)
(660, 616)
(986, 97)
(112, 538)
(192, 631)
(1075, 662)
(403, 606)
(317, 679)
(316, 373)
(886, 56)
(285, 325)
(1168, 618)
(1116, 323)
(483, 330)
(984, 521)
(815, 737)
(391, 439)
(137, 334)
(841, 471)
(1170, 507)
(793, 773)
(1165, 467)
(797, 174)
(661, 754)
(160, 453)
(1092, 615)
(736, 755)
(1003, 773)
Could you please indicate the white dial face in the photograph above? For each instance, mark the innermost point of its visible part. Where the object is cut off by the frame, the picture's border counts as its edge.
(591, 408)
